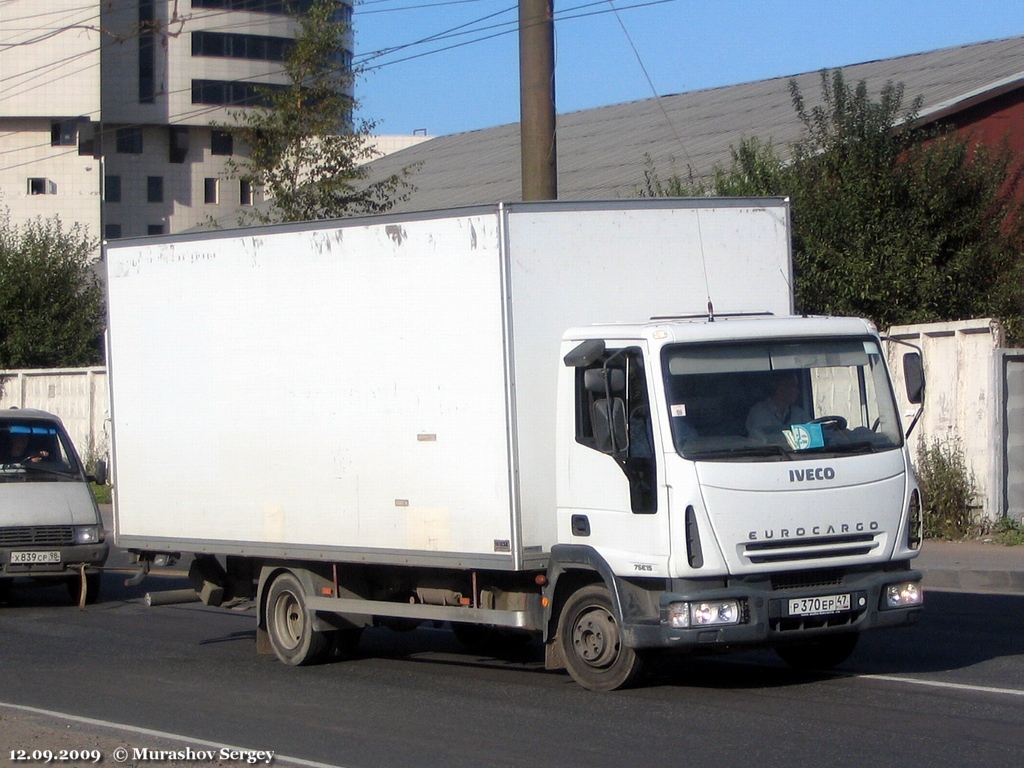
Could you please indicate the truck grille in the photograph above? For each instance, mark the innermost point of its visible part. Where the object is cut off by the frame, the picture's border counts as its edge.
(796, 550)
(41, 535)
(807, 579)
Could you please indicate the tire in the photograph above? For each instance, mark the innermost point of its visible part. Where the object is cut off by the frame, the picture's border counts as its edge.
(823, 653)
(92, 588)
(290, 625)
(591, 642)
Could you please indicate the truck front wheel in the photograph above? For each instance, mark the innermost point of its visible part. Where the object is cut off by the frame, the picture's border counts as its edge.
(591, 642)
(290, 625)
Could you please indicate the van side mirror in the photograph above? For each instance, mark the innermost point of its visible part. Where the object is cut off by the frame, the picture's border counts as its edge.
(99, 476)
(913, 377)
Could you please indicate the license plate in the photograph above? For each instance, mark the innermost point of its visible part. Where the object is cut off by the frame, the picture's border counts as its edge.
(818, 606)
(23, 558)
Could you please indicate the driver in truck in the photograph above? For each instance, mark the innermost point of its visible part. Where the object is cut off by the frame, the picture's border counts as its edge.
(779, 410)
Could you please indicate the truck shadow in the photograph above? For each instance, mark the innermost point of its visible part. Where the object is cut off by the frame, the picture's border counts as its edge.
(957, 631)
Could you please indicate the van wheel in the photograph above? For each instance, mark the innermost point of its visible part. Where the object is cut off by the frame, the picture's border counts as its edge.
(822, 653)
(92, 588)
(591, 642)
(290, 625)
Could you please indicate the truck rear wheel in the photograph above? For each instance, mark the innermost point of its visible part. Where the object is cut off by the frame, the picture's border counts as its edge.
(591, 642)
(290, 625)
(822, 653)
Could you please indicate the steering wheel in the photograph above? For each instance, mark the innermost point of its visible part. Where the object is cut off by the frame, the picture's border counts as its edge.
(830, 421)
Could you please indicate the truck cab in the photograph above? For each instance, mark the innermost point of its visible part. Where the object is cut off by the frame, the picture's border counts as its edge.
(763, 493)
(50, 525)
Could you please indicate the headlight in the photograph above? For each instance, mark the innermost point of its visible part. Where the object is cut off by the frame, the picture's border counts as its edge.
(903, 594)
(706, 613)
(88, 534)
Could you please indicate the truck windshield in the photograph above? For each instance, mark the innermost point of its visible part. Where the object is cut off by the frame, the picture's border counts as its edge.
(35, 451)
(778, 401)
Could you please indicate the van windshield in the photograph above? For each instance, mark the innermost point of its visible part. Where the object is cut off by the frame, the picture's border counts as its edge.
(35, 450)
(779, 401)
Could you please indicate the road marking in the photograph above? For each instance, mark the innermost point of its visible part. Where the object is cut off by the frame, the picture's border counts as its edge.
(278, 758)
(941, 684)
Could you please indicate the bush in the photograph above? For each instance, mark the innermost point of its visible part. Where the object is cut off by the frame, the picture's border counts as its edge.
(947, 489)
(1008, 532)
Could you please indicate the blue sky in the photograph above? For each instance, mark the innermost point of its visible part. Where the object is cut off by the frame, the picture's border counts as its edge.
(468, 78)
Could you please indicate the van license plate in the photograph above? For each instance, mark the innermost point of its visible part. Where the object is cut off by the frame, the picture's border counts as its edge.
(22, 558)
(818, 606)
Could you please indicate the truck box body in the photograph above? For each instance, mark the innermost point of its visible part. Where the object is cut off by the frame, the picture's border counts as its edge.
(383, 390)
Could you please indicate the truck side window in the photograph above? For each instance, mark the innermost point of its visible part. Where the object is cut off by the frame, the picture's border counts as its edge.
(613, 415)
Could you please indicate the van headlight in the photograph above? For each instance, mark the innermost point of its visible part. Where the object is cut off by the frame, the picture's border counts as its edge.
(706, 613)
(904, 594)
(88, 534)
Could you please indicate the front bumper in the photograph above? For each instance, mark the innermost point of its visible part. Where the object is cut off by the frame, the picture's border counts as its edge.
(71, 558)
(764, 615)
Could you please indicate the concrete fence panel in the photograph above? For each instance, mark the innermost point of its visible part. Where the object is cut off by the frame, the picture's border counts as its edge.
(77, 395)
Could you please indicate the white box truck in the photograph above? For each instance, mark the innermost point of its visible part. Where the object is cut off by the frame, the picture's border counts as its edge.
(417, 418)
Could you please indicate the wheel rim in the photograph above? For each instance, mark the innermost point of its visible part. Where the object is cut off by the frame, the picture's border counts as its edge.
(289, 621)
(595, 638)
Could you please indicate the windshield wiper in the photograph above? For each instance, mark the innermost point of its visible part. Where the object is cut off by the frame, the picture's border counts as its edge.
(857, 446)
(42, 468)
(740, 451)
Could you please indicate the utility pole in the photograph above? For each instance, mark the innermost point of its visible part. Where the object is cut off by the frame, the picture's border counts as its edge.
(537, 99)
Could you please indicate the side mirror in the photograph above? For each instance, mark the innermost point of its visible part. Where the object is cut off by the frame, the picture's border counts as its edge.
(913, 377)
(100, 475)
(610, 430)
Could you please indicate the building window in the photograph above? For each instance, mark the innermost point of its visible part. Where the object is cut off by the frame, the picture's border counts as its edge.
(222, 143)
(63, 133)
(129, 141)
(87, 139)
(231, 93)
(291, 7)
(211, 189)
(112, 231)
(112, 189)
(40, 186)
(147, 52)
(154, 189)
(244, 192)
(252, 47)
(155, 229)
(178, 142)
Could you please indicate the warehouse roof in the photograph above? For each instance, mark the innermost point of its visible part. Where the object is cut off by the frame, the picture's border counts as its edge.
(603, 152)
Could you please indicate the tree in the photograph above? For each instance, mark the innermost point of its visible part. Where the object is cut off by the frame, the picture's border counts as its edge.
(304, 151)
(51, 303)
(890, 222)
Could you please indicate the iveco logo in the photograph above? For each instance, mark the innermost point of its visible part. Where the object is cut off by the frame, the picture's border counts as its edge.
(818, 473)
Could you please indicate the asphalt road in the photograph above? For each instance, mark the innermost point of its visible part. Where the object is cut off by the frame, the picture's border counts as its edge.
(948, 692)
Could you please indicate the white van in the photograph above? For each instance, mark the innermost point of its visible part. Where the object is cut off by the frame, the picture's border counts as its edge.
(50, 526)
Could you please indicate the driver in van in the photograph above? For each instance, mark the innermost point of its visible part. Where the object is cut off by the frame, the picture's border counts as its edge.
(20, 451)
(779, 410)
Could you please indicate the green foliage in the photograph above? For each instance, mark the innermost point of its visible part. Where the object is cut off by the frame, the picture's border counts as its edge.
(889, 222)
(947, 489)
(102, 493)
(51, 303)
(1008, 532)
(304, 151)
